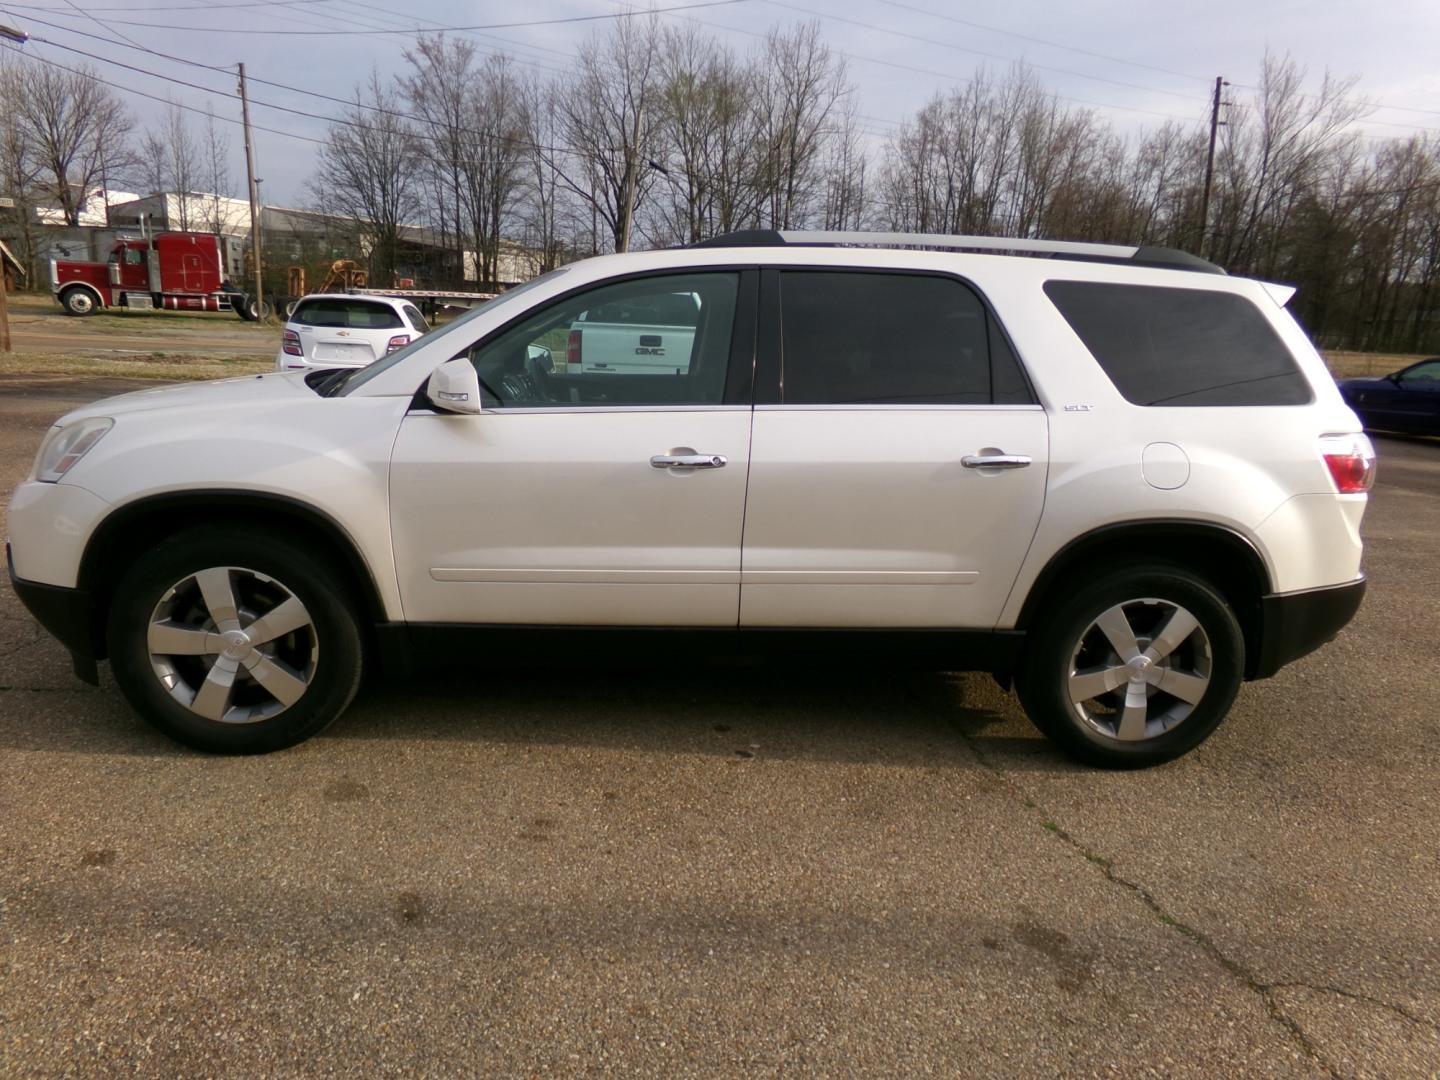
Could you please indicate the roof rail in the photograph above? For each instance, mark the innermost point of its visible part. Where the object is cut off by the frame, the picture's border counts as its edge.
(1133, 255)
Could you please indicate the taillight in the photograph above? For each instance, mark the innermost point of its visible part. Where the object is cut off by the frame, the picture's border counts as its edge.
(291, 344)
(1351, 461)
(572, 349)
(399, 341)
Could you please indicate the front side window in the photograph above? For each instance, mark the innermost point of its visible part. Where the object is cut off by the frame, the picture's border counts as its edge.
(1167, 346)
(662, 340)
(134, 256)
(857, 338)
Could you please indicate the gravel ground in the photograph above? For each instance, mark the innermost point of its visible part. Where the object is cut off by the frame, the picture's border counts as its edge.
(722, 873)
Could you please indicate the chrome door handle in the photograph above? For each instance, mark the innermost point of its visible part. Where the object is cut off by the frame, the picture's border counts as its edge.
(994, 461)
(688, 461)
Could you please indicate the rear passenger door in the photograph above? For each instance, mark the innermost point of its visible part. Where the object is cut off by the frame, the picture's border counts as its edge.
(898, 457)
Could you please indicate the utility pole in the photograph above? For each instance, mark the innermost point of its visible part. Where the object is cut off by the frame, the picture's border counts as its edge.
(254, 186)
(632, 175)
(1215, 123)
(18, 37)
(4, 309)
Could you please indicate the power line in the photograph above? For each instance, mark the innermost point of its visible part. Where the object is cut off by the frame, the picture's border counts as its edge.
(949, 76)
(155, 97)
(521, 143)
(481, 26)
(1042, 41)
(975, 52)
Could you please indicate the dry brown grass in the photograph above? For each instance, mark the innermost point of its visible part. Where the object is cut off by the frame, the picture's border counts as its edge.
(1352, 365)
(164, 366)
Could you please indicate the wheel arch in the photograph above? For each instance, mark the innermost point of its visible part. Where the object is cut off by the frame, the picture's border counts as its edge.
(83, 286)
(139, 525)
(1224, 557)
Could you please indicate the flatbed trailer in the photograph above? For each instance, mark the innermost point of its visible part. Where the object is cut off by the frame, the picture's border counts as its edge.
(429, 300)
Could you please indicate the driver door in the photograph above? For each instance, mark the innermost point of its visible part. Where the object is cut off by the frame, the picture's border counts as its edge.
(585, 498)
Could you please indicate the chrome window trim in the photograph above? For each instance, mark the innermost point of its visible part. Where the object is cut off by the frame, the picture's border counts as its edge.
(872, 407)
(531, 410)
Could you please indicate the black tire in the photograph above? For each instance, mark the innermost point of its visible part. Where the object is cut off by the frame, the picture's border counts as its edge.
(1066, 643)
(316, 665)
(258, 310)
(79, 302)
(242, 308)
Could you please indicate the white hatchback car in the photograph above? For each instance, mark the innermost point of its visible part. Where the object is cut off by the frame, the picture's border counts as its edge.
(1112, 476)
(329, 330)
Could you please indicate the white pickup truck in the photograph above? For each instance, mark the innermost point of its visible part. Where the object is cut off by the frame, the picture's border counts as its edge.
(646, 336)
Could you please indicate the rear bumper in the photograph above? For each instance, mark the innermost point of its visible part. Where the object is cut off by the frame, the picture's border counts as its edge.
(1295, 624)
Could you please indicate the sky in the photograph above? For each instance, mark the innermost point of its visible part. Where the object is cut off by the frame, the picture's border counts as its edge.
(1133, 62)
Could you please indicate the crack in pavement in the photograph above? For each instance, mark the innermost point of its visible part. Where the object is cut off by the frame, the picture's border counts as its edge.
(1267, 992)
(1325, 988)
(47, 690)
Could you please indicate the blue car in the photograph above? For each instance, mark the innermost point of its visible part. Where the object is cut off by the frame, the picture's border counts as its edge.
(1406, 400)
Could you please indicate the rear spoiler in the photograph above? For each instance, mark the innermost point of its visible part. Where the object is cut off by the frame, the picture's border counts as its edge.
(1281, 294)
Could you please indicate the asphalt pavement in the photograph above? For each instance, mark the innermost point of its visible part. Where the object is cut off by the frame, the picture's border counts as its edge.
(753, 872)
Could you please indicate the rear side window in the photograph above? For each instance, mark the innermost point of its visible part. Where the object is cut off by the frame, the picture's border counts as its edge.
(850, 338)
(351, 314)
(416, 319)
(1163, 346)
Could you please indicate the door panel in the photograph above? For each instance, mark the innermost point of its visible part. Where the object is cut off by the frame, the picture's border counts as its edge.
(861, 511)
(558, 517)
(868, 517)
(585, 498)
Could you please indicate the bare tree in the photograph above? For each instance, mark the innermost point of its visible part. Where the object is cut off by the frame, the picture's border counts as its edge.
(605, 119)
(20, 171)
(437, 88)
(540, 216)
(707, 130)
(801, 86)
(75, 128)
(1269, 156)
(365, 171)
(215, 158)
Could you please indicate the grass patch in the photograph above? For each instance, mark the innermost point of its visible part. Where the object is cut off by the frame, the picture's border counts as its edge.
(167, 366)
(1358, 365)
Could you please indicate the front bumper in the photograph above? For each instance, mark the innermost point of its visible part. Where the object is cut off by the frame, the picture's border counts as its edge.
(1295, 624)
(66, 613)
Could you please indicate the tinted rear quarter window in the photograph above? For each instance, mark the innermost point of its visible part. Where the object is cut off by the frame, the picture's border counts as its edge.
(353, 314)
(851, 337)
(1168, 347)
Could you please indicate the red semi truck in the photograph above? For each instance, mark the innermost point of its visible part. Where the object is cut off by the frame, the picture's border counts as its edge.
(178, 271)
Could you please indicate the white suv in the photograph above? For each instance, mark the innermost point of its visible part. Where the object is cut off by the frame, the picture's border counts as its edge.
(328, 330)
(1115, 476)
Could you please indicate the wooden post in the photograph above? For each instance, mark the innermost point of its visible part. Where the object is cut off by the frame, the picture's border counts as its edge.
(4, 311)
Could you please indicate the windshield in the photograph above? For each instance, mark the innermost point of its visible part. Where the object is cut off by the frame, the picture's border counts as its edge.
(357, 377)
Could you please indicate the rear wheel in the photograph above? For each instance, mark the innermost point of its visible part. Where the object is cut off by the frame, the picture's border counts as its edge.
(1134, 669)
(258, 309)
(234, 643)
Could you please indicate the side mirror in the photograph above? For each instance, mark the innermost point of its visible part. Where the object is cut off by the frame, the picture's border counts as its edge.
(538, 355)
(454, 387)
(1394, 377)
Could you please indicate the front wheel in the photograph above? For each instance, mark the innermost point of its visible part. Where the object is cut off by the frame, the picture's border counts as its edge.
(232, 642)
(78, 302)
(1134, 669)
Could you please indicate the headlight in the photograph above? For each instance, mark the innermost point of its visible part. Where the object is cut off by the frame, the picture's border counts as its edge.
(64, 446)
